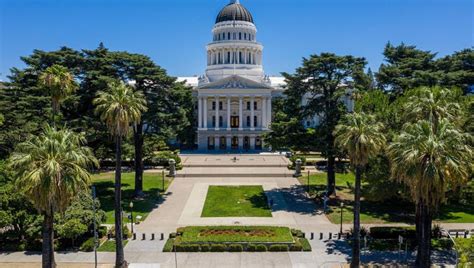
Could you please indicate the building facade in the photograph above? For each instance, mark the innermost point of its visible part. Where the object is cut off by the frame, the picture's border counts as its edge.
(234, 96)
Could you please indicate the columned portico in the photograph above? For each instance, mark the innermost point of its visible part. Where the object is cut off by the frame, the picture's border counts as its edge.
(235, 86)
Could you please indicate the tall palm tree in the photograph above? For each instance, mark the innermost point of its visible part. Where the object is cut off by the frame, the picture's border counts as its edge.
(361, 136)
(429, 159)
(59, 83)
(51, 169)
(119, 107)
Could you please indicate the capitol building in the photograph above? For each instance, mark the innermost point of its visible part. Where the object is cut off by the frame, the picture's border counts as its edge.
(234, 96)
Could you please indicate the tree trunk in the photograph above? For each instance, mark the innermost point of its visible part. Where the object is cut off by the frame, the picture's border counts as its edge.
(355, 261)
(423, 234)
(48, 240)
(119, 255)
(331, 176)
(138, 141)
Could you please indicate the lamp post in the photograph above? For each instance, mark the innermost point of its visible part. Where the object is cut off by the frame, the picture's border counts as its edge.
(131, 214)
(342, 206)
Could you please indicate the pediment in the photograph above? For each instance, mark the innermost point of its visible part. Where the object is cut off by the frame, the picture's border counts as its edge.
(235, 82)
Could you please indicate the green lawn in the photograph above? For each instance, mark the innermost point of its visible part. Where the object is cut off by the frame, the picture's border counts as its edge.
(378, 212)
(109, 246)
(218, 234)
(236, 201)
(152, 185)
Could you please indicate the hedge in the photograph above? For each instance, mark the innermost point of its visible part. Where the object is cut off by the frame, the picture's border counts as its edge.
(88, 245)
(278, 248)
(392, 232)
(305, 244)
(217, 248)
(235, 248)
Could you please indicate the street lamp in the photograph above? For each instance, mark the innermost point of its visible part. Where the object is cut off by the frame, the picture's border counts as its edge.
(131, 214)
(342, 206)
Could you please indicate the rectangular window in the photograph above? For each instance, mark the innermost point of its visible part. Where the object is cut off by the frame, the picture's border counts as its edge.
(248, 105)
(248, 121)
(221, 121)
(228, 36)
(240, 36)
(213, 121)
(255, 105)
(255, 121)
(245, 36)
(220, 106)
(213, 105)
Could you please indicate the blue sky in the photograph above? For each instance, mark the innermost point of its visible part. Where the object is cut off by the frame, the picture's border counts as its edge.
(174, 32)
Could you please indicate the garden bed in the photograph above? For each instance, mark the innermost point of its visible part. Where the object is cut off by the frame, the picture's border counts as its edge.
(236, 239)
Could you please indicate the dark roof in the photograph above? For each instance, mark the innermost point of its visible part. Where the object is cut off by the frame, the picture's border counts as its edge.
(234, 11)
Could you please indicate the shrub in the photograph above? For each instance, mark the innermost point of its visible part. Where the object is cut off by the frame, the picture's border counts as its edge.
(205, 248)
(168, 245)
(173, 235)
(261, 248)
(441, 244)
(187, 248)
(34, 245)
(294, 158)
(162, 159)
(217, 248)
(87, 245)
(297, 233)
(125, 232)
(102, 231)
(305, 244)
(278, 248)
(235, 248)
(252, 247)
(392, 232)
(296, 246)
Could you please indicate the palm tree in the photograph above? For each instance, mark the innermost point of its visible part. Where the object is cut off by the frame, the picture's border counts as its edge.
(428, 159)
(59, 83)
(361, 136)
(119, 107)
(51, 169)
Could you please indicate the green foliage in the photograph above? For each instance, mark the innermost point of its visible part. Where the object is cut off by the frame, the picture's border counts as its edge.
(187, 248)
(162, 158)
(197, 234)
(465, 249)
(392, 232)
(168, 247)
(109, 246)
(278, 248)
(236, 201)
(217, 248)
(235, 248)
(71, 229)
(87, 245)
(305, 244)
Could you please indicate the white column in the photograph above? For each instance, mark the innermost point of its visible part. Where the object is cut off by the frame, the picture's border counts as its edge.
(264, 112)
(252, 113)
(269, 111)
(252, 143)
(205, 112)
(228, 112)
(217, 113)
(199, 112)
(241, 119)
(216, 143)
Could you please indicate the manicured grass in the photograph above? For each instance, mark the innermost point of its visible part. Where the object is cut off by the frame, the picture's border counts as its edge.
(152, 185)
(394, 211)
(109, 246)
(236, 201)
(217, 234)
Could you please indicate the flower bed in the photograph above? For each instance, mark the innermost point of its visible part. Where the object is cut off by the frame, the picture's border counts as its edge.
(236, 239)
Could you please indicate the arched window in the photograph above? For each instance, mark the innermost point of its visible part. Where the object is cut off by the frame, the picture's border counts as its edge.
(240, 36)
(228, 36)
(219, 58)
(249, 60)
(223, 36)
(228, 58)
(245, 36)
(240, 58)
